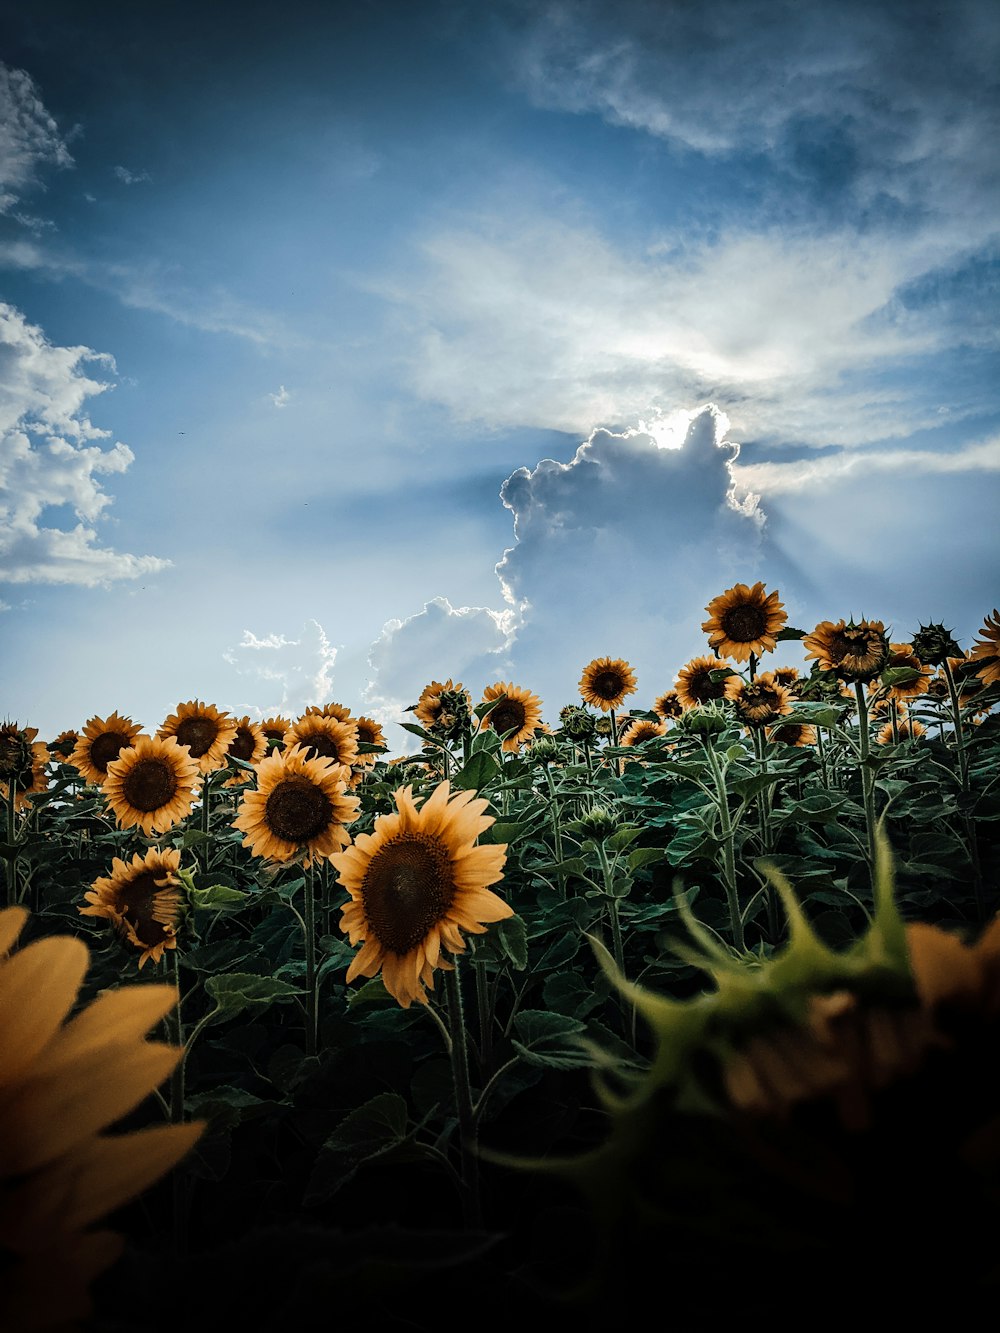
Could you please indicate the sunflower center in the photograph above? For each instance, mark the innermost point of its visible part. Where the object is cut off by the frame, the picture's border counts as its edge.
(243, 744)
(107, 748)
(702, 687)
(744, 623)
(297, 810)
(407, 889)
(508, 715)
(198, 734)
(318, 745)
(149, 785)
(148, 908)
(608, 685)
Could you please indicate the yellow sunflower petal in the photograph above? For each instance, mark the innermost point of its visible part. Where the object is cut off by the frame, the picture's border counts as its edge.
(38, 987)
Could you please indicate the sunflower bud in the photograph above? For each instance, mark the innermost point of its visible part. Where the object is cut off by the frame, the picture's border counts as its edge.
(543, 751)
(577, 723)
(704, 720)
(933, 643)
(598, 823)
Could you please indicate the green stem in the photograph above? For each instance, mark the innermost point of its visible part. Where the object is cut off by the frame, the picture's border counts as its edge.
(309, 939)
(10, 863)
(972, 841)
(867, 775)
(556, 828)
(467, 1125)
(613, 738)
(728, 850)
(764, 831)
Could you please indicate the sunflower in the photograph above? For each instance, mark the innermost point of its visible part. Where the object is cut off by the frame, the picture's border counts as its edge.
(151, 785)
(369, 733)
(274, 729)
(299, 805)
(854, 652)
(987, 650)
(249, 744)
(339, 712)
(668, 706)
(641, 729)
(520, 713)
(205, 731)
(744, 621)
(63, 1084)
(416, 883)
(64, 744)
(605, 683)
(322, 736)
(787, 676)
(902, 655)
(758, 702)
(22, 763)
(907, 729)
(143, 901)
(792, 733)
(695, 684)
(103, 739)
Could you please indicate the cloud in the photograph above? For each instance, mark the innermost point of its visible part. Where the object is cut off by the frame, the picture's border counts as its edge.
(466, 643)
(282, 398)
(617, 550)
(776, 478)
(29, 136)
(47, 460)
(131, 177)
(293, 673)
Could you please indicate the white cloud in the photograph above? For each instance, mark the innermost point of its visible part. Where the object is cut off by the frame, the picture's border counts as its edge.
(130, 177)
(466, 643)
(29, 136)
(293, 674)
(47, 460)
(776, 478)
(282, 398)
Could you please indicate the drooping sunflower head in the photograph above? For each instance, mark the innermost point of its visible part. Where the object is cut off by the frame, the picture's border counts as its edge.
(205, 731)
(605, 683)
(758, 702)
(901, 655)
(301, 805)
(63, 745)
(416, 883)
(324, 737)
(986, 650)
(144, 901)
(369, 732)
(577, 723)
(22, 763)
(103, 739)
(695, 683)
(519, 712)
(933, 643)
(744, 620)
(668, 706)
(152, 785)
(853, 651)
(792, 733)
(248, 744)
(445, 708)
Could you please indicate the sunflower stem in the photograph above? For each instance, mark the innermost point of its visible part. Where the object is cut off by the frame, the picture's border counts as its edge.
(10, 859)
(762, 803)
(309, 941)
(613, 739)
(468, 1128)
(867, 776)
(728, 849)
(556, 828)
(206, 822)
(963, 772)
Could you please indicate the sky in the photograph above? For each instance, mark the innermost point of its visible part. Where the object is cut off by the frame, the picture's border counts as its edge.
(348, 347)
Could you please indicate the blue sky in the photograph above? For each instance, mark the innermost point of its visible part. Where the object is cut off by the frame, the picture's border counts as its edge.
(343, 347)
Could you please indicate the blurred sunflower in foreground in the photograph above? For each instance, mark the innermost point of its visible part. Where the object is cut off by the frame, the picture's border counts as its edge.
(819, 1121)
(62, 1083)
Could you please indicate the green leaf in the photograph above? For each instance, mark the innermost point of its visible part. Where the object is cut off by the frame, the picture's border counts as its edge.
(369, 1131)
(645, 856)
(474, 776)
(235, 992)
(550, 1040)
(622, 837)
(512, 935)
(372, 992)
(783, 635)
(218, 898)
(192, 837)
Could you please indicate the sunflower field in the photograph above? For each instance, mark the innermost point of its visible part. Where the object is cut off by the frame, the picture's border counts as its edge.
(686, 994)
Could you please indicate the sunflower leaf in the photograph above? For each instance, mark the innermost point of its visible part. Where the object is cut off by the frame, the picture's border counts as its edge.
(369, 1131)
(236, 991)
(475, 775)
(783, 635)
(550, 1040)
(218, 898)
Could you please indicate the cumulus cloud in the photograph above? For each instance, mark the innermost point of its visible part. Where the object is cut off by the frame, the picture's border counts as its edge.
(466, 643)
(130, 177)
(29, 136)
(48, 459)
(291, 674)
(282, 398)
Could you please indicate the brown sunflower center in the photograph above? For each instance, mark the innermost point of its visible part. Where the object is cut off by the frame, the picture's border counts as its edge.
(243, 744)
(702, 687)
(199, 734)
(744, 623)
(320, 745)
(106, 748)
(148, 907)
(149, 785)
(408, 888)
(297, 810)
(508, 715)
(607, 685)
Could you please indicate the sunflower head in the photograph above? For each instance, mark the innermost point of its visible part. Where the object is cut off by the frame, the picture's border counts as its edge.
(606, 682)
(103, 739)
(369, 733)
(933, 643)
(668, 706)
(323, 736)
(577, 723)
(274, 729)
(853, 651)
(758, 702)
(744, 620)
(339, 712)
(703, 679)
(144, 901)
(205, 731)
(300, 806)
(152, 785)
(249, 744)
(903, 659)
(416, 883)
(641, 729)
(63, 745)
(986, 650)
(518, 713)
(792, 733)
(907, 729)
(22, 763)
